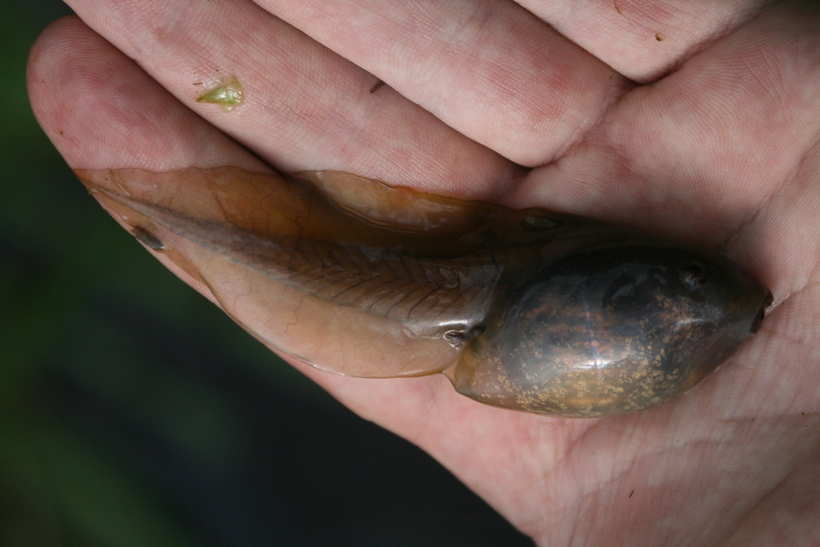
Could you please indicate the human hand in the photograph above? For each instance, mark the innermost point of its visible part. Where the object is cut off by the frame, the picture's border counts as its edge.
(486, 101)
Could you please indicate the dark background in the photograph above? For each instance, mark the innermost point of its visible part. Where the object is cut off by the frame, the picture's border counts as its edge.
(133, 413)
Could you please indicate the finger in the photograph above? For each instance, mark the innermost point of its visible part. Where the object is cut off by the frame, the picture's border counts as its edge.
(714, 152)
(644, 39)
(304, 107)
(101, 110)
(487, 68)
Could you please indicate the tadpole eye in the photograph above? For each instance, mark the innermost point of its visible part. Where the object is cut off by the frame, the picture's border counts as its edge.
(693, 275)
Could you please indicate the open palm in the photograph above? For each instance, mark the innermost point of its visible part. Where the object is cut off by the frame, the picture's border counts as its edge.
(698, 122)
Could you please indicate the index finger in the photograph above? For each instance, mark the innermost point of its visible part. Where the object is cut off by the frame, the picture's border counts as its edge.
(304, 106)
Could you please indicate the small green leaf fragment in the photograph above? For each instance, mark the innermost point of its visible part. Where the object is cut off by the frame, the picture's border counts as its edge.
(228, 95)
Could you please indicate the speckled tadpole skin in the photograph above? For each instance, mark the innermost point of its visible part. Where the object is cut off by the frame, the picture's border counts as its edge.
(530, 310)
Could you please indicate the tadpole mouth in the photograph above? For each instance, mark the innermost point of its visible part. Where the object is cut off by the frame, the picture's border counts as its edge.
(761, 313)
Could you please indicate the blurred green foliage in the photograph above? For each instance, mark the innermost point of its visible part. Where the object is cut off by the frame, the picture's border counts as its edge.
(133, 413)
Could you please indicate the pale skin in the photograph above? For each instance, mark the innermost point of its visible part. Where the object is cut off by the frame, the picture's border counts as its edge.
(696, 120)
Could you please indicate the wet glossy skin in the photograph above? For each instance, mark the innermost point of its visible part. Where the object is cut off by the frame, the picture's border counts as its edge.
(530, 310)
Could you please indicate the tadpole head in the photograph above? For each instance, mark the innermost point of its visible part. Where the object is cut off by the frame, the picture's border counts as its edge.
(611, 330)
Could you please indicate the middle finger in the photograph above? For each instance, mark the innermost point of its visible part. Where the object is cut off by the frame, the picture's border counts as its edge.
(488, 68)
